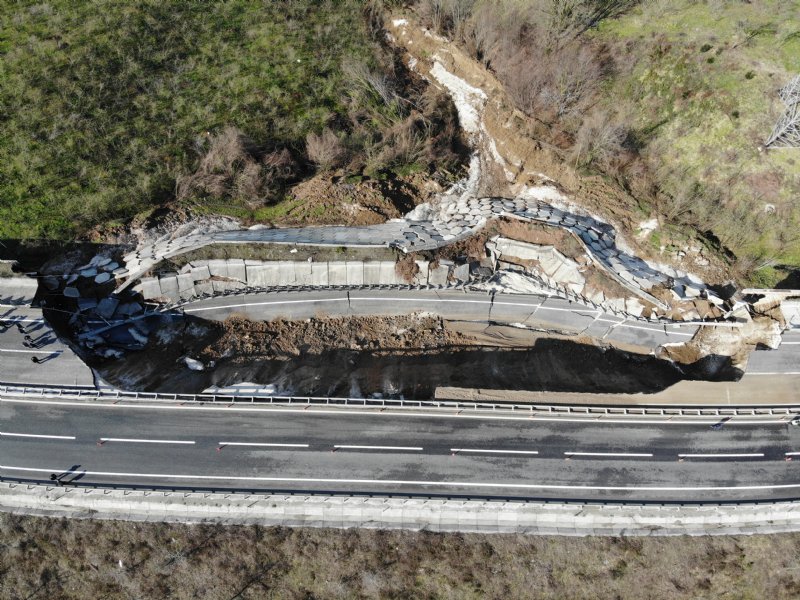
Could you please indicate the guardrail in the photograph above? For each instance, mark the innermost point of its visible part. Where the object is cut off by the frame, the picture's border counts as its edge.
(533, 409)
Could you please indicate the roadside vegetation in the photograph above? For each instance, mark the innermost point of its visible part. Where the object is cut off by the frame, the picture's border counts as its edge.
(62, 558)
(108, 109)
(671, 100)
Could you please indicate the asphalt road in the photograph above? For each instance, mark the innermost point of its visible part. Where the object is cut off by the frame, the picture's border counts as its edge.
(533, 311)
(785, 360)
(282, 449)
(59, 366)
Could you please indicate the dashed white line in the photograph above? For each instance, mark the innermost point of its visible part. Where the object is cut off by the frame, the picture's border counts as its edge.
(32, 351)
(37, 435)
(267, 445)
(347, 447)
(618, 454)
(482, 450)
(791, 453)
(140, 441)
(744, 455)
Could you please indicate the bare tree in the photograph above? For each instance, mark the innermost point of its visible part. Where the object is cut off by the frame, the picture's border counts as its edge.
(325, 150)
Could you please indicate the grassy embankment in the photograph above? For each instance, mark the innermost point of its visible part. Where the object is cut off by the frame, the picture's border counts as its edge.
(669, 100)
(108, 109)
(50, 558)
(700, 82)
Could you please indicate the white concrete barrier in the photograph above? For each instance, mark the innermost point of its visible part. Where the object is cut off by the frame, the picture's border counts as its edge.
(432, 514)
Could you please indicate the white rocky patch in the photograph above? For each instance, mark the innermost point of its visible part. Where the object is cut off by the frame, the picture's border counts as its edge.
(468, 99)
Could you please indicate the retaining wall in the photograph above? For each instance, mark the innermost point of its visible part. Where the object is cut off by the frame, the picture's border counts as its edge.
(218, 276)
(432, 514)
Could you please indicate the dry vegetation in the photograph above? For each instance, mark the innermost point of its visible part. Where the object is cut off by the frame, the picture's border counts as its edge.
(54, 559)
(669, 100)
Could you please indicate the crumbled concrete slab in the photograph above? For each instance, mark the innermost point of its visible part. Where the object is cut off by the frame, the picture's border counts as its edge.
(107, 306)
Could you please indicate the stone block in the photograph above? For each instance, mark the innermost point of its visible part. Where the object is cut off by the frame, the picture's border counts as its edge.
(388, 274)
(438, 276)
(218, 268)
(302, 273)
(422, 275)
(202, 288)
(150, 288)
(106, 307)
(169, 287)
(200, 273)
(372, 272)
(355, 272)
(337, 273)
(185, 282)
(256, 275)
(236, 269)
(319, 273)
(461, 272)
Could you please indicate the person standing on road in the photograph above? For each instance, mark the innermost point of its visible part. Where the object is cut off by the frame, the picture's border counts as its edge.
(35, 360)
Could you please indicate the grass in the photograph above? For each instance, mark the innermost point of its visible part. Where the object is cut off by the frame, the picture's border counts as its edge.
(702, 79)
(53, 558)
(103, 105)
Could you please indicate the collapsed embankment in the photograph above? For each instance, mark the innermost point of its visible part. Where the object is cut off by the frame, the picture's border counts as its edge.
(395, 357)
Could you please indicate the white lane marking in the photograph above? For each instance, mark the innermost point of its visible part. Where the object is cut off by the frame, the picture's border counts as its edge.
(345, 447)
(468, 484)
(631, 454)
(262, 444)
(441, 300)
(139, 441)
(792, 453)
(772, 373)
(790, 343)
(593, 418)
(32, 351)
(480, 450)
(13, 320)
(745, 455)
(37, 435)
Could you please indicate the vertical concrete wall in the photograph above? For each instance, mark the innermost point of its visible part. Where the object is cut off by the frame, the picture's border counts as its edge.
(219, 276)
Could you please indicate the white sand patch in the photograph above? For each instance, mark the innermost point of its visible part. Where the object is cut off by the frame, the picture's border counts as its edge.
(399, 22)
(646, 228)
(468, 99)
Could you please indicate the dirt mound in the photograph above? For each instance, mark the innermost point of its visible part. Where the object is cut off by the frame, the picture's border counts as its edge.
(281, 338)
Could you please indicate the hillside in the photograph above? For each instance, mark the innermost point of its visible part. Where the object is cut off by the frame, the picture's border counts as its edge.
(108, 110)
(670, 102)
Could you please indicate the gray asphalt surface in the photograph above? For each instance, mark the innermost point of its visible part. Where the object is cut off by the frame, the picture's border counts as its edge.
(404, 454)
(532, 311)
(785, 360)
(60, 366)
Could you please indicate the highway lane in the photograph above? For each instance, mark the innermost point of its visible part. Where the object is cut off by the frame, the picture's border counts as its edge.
(542, 312)
(393, 453)
(59, 364)
(784, 360)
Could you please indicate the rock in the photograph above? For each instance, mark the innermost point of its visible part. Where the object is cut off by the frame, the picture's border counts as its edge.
(86, 304)
(461, 272)
(194, 365)
(140, 337)
(71, 292)
(110, 353)
(106, 307)
(50, 282)
(88, 272)
(71, 279)
(102, 277)
(112, 266)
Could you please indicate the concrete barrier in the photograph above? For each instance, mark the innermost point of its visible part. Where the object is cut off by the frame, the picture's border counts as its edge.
(218, 276)
(412, 513)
